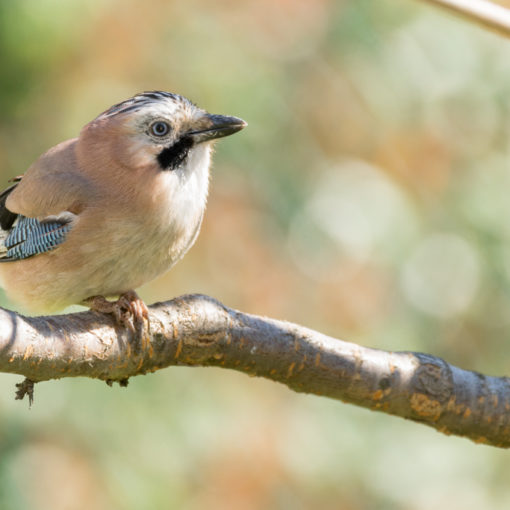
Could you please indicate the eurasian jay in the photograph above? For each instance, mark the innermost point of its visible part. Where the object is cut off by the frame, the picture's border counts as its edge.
(99, 215)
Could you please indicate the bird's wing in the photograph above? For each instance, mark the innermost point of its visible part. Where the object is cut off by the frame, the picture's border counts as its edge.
(39, 209)
(22, 237)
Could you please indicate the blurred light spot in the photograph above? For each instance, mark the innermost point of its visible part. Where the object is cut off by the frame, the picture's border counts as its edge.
(483, 199)
(354, 211)
(441, 276)
(429, 58)
(452, 118)
(356, 207)
(399, 485)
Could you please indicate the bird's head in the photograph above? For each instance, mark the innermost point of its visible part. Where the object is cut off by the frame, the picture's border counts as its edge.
(159, 130)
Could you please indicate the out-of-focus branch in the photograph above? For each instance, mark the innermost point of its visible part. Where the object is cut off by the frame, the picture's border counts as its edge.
(197, 330)
(482, 12)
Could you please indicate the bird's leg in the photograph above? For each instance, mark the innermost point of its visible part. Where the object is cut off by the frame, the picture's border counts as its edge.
(129, 310)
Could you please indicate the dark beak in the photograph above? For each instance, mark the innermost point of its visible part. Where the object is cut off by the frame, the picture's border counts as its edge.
(216, 126)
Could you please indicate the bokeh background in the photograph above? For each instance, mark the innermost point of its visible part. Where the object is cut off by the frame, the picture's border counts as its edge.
(368, 199)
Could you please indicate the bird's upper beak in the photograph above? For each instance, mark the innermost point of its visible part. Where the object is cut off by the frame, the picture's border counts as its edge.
(215, 126)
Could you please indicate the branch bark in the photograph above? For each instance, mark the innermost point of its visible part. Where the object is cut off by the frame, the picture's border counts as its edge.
(484, 13)
(197, 330)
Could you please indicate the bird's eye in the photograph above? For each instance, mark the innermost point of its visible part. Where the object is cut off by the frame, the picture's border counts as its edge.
(159, 128)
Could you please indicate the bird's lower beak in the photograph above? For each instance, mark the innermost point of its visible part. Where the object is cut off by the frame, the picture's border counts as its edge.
(216, 126)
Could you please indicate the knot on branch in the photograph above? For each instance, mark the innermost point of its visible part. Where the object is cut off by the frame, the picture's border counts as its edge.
(433, 386)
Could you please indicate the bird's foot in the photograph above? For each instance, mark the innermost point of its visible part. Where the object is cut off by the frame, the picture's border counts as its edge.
(129, 310)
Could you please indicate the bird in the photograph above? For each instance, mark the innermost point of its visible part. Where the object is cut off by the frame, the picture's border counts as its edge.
(97, 216)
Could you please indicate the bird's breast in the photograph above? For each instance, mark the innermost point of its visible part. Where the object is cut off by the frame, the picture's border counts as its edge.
(144, 237)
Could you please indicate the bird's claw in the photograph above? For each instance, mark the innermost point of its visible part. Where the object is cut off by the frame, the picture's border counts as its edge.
(129, 310)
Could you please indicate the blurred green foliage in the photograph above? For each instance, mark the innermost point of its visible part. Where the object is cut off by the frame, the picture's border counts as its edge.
(367, 199)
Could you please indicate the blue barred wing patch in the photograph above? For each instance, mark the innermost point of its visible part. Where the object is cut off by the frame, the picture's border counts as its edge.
(29, 236)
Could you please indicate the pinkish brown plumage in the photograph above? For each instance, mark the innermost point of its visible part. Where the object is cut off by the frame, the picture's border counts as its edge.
(101, 214)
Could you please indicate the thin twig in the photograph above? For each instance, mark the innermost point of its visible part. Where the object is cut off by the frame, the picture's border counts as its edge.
(485, 13)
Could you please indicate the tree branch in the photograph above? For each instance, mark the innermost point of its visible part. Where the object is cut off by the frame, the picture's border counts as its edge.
(197, 330)
(489, 15)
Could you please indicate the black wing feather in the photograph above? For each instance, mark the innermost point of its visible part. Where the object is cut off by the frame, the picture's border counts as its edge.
(7, 218)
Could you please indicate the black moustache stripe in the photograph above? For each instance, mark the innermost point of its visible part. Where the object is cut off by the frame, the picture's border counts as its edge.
(174, 156)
